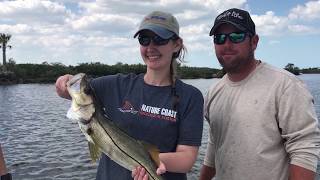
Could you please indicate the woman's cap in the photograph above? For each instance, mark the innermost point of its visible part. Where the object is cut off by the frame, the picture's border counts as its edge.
(239, 18)
(163, 24)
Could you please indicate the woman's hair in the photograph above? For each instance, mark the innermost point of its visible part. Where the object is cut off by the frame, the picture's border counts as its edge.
(177, 58)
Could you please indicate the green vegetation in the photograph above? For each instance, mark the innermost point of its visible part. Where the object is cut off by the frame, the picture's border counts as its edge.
(297, 71)
(291, 68)
(310, 70)
(4, 39)
(48, 73)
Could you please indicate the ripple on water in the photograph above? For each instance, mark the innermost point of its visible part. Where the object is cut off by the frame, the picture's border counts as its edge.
(40, 143)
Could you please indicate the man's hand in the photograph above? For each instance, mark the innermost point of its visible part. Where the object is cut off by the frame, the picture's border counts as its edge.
(297, 173)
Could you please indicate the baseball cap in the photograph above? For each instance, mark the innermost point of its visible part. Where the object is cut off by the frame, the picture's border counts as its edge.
(239, 18)
(163, 24)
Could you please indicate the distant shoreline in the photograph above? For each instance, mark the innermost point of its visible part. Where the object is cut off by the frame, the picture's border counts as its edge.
(48, 73)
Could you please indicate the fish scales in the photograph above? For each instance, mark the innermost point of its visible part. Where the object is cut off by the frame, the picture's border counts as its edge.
(101, 132)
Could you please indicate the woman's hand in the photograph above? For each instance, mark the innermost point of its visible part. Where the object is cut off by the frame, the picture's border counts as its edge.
(61, 86)
(140, 173)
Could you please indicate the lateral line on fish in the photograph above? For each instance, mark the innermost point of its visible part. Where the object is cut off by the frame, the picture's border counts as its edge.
(150, 174)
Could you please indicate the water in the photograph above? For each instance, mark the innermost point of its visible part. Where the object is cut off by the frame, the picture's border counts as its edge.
(39, 143)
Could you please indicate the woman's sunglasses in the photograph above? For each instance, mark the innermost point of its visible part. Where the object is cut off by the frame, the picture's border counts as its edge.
(157, 40)
(234, 37)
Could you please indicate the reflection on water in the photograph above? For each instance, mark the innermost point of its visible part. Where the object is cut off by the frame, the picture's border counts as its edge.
(40, 143)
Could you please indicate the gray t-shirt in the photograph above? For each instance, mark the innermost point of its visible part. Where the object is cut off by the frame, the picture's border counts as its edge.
(260, 125)
(146, 113)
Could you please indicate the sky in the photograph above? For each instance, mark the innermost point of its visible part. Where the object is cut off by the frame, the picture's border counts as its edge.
(73, 32)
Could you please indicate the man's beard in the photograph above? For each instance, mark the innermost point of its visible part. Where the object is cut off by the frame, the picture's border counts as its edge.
(236, 65)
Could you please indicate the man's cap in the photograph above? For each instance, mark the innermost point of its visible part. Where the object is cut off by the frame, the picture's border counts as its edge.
(237, 17)
(163, 24)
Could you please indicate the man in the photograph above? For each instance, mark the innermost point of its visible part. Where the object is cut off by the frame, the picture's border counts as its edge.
(262, 120)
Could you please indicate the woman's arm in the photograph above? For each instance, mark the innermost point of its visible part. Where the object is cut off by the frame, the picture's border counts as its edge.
(180, 161)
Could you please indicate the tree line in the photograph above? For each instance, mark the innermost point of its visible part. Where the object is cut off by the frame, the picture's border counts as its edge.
(297, 71)
(48, 73)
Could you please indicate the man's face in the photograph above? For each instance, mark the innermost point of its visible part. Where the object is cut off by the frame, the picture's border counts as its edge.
(233, 56)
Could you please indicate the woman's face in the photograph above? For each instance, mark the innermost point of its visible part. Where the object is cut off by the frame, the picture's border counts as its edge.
(158, 57)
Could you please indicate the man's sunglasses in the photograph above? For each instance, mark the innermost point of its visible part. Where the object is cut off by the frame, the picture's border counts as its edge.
(157, 40)
(234, 37)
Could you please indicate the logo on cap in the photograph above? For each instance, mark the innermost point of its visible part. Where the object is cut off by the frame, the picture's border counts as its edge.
(156, 17)
(228, 13)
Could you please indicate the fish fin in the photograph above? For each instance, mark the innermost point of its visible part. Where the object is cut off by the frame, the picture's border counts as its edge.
(153, 152)
(95, 152)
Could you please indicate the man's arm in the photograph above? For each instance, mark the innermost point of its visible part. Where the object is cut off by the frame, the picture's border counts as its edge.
(299, 128)
(297, 173)
(207, 173)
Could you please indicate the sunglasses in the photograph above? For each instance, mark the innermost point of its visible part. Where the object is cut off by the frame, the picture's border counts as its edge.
(234, 37)
(157, 40)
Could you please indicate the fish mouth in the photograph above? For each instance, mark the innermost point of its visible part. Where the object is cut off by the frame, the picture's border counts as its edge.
(75, 82)
(75, 78)
(79, 89)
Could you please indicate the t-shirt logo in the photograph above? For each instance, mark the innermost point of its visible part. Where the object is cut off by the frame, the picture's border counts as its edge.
(149, 111)
(127, 108)
(157, 112)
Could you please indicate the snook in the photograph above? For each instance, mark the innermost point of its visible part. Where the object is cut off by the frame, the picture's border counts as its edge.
(103, 135)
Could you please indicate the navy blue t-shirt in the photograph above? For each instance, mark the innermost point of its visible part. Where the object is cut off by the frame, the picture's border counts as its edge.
(146, 113)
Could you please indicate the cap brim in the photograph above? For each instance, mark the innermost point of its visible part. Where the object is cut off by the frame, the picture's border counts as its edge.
(160, 31)
(214, 28)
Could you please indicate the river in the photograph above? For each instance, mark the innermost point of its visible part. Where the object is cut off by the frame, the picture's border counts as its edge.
(40, 143)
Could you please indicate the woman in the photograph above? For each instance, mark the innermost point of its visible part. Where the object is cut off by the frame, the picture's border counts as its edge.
(164, 111)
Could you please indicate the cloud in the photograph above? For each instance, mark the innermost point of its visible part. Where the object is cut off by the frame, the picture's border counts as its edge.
(300, 20)
(269, 24)
(308, 11)
(104, 23)
(301, 28)
(220, 5)
(33, 12)
(15, 29)
(103, 29)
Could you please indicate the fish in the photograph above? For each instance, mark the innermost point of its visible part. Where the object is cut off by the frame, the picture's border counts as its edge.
(103, 135)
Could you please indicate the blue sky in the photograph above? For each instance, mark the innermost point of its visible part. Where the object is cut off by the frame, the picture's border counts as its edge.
(73, 32)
